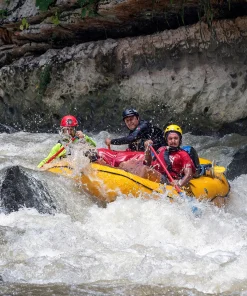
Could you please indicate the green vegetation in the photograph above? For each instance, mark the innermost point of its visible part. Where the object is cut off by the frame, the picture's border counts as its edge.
(24, 24)
(206, 11)
(182, 15)
(45, 79)
(89, 8)
(229, 4)
(44, 4)
(55, 19)
(3, 13)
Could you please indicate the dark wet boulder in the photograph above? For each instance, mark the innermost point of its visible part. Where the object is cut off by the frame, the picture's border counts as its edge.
(238, 166)
(7, 129)
(19, 189)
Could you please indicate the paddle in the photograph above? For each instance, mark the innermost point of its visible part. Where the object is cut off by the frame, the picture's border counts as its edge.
(59, 151)
(194, 209)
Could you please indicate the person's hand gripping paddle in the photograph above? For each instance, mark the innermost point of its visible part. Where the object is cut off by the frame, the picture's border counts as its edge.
(59, 151)
(194, 208)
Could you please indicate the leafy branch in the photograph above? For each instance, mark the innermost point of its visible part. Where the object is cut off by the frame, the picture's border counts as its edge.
(89, 8)
(24, 24)
(55, 19)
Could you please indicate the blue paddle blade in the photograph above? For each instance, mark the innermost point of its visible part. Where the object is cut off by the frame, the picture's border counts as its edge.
(195, 210)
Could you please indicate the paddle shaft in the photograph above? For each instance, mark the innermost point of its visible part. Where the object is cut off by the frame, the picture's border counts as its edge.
(55, 155)
(165, 169)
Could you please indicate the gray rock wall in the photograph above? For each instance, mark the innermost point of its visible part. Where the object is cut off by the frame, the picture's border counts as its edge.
(195, 76)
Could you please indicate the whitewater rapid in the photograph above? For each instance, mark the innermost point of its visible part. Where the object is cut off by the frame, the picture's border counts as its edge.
(148, 245)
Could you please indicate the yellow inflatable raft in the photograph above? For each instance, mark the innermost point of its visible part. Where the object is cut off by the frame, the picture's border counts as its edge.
(106, 183)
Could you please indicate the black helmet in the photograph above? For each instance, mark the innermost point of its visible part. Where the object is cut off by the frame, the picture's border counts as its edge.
(130, 112)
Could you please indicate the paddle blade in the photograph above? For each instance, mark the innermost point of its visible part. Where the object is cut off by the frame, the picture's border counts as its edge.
(195, 210)
(219, 169)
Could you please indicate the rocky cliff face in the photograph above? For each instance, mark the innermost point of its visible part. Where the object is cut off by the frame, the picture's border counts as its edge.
(94, 60)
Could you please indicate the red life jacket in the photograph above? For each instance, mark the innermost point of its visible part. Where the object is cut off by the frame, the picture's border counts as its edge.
(178, 159)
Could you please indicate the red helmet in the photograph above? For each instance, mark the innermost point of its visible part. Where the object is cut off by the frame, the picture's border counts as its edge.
(69, 121)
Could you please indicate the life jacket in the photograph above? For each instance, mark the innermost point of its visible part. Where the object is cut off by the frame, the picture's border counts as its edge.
(167, 158)
(200, 169)
(174, 168)
(193, 155)
(67, 148)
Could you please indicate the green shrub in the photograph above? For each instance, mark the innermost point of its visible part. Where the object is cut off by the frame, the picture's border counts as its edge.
(45, 79)
(3, 13)
(44, 4)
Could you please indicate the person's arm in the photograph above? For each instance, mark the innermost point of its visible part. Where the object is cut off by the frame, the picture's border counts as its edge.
(124, 140)
(147, 154)
(53, 151)
(90, 140)
(188, 174)
(80, 135)
(135, 135)
(188, 169)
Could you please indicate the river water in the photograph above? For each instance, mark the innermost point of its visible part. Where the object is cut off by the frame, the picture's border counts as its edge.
(131, 246)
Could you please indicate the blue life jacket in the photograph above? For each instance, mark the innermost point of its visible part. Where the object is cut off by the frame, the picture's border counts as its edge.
(193, 154)
(195, 158)
(200, 168)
